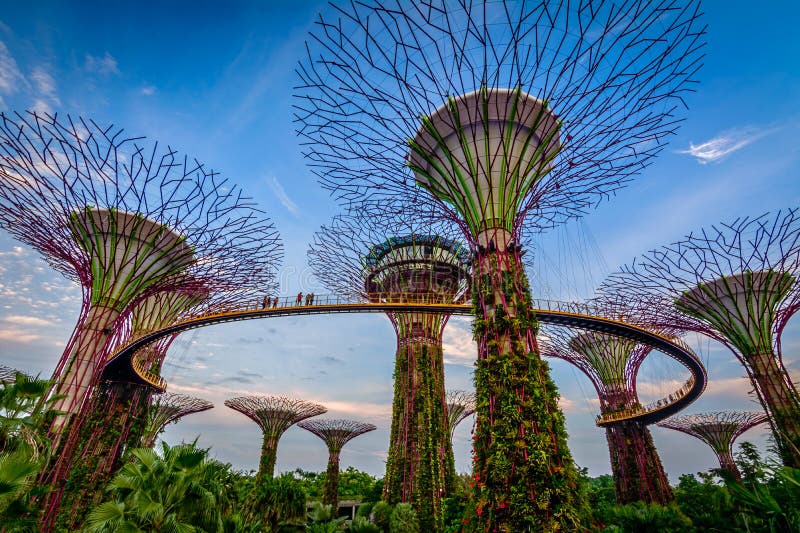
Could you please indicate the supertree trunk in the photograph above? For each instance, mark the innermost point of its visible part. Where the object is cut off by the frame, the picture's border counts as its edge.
(636, 466)
(727, 463)
(524, 474)
(116, 418)
(266, 463)
(419, 452)
(782, 400)
(331, 493)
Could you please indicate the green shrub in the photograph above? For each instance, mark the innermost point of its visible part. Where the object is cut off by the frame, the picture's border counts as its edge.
(381, 513)
(364, 510)
(362, 525)
(640, 517)
(404, 519)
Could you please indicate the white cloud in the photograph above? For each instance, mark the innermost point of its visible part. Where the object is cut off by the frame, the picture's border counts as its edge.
(21, 320)
(10, 76)
(459, 348)
(41, 107)
(101, 65)
(148, 90)
(45, 84)
(15, 335)
(283, 198)
(723, 144)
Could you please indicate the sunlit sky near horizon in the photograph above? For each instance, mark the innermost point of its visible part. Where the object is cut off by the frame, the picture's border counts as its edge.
(214, 80)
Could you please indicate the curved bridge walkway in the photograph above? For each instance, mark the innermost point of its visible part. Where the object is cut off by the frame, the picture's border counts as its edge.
(124, 364)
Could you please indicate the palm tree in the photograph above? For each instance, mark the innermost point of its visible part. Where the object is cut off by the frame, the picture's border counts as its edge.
(181, 490)
(24, 447)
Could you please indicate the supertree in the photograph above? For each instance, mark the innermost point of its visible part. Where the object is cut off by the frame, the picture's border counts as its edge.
(736, 282)
(718, 430)
(409, 261)
(8, 374)
(335, 433)
(612, 363)
(168, 408)
(124, 219)
(274, 415)
(460, 405)
(511, 115)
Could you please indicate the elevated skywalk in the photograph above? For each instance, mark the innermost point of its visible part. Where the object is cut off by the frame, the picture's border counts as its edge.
(123, 364)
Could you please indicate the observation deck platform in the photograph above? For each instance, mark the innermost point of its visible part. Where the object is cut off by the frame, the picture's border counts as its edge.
(123, 364)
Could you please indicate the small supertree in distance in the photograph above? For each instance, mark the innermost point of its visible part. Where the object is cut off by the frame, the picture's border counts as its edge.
(168, 408)
(335, 433)
(611, 363)
(125, 219)
(460, 405)
(718, 430)
(417, 262)
(738, 283)
(8, 374)
(274, 415)
(511, 115)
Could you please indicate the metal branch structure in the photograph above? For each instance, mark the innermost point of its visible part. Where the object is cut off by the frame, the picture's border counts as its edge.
(509, 115)
(125, 219)
(612, 363)
(718, 430)
(274, 415)
(335, 433)
(403, 260)
(736, 282)
(168, 408)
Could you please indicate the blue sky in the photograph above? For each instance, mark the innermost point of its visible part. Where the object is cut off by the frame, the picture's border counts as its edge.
(215, 81)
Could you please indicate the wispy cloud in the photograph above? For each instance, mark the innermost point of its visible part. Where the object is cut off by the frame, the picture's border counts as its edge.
(283, 198)
(104, 65)
(45, 84)
(10, 76)
(724, 144)
(147, 90)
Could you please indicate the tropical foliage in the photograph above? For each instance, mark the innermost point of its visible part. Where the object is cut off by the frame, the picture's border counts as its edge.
(24, 449)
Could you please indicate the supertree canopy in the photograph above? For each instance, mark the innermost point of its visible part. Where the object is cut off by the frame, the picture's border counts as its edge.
(336, 433)
(611, 363)
(125, 219)
(737, 283)
(511, 115)
(274, 415)
(718, 430)
(168, 408)
(407, 261)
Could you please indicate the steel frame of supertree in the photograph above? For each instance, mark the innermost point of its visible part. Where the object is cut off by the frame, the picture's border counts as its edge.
(512, 115)
(335, 433)
(124, 219)
(274, 415)
(612, 363)
(737, 283)
(168, 408)
(719, 430)
(412, 261)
